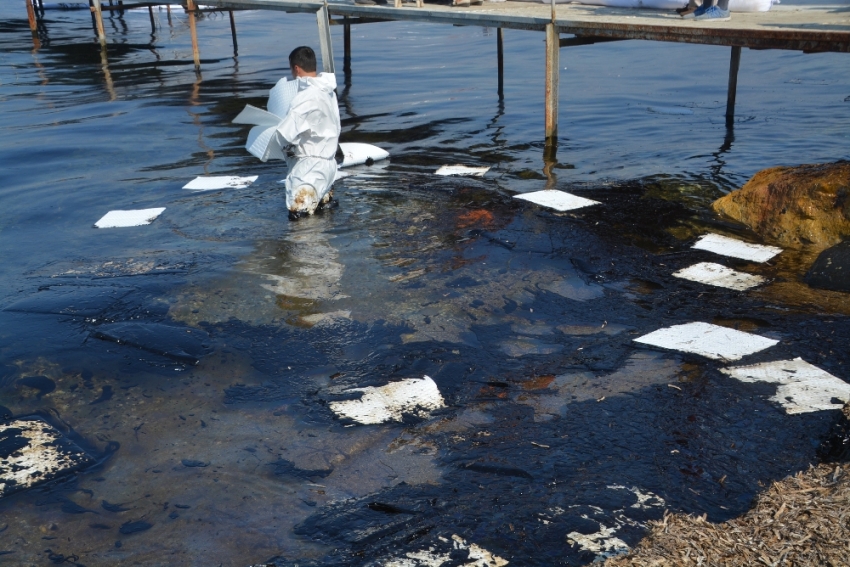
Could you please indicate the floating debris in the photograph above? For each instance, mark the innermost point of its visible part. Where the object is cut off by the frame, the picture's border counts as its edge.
(712, 341)
(734, 248)
(462, 170)
(33, 452)
(803, 387)
(720, 276)
(411, 396)
(355, 153)
(558, 200)
(209, 183)
(121, 219)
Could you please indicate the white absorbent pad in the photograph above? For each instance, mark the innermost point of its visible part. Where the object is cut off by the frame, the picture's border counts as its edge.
(209, 183)
(558, 200)
(411, 396)
(802, 387)
(735, 248)
(120, 219)
(462, 170)
(712, 341)
(720, 276)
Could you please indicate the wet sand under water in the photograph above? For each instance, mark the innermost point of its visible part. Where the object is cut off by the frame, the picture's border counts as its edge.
(557, 424)
(560, 436)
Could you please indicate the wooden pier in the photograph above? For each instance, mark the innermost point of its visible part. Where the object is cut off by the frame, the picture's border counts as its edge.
(810, 29)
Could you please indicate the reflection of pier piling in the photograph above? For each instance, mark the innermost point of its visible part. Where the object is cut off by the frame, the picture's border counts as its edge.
(808, 29)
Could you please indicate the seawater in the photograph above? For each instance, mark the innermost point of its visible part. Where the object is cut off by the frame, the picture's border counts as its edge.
(417, 292)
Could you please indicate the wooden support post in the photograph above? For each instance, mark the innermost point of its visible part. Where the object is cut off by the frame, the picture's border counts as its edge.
(98, 18)
(324, 21)
(500, 61)
(346, 46)
(196, 54)
(233, 34)
(153, 22)
(734, 63)
(31, 17)
(168, 11)
(552, 73)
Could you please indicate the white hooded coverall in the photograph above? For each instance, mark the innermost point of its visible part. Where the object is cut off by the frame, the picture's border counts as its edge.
(311, 129)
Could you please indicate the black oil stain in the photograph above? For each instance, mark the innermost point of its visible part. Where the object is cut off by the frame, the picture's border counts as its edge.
(43, 384)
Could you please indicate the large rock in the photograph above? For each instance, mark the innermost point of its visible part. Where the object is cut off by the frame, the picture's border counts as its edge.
(808, 205)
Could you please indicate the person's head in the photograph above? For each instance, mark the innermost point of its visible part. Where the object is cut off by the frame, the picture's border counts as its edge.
(302, 62)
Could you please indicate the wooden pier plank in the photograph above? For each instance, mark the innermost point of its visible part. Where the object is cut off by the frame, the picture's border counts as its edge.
(802, 28)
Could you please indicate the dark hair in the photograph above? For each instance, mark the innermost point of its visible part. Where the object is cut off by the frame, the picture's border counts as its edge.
(304, 57)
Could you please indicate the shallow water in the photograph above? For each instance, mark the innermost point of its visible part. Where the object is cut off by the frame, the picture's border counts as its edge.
(524, 318)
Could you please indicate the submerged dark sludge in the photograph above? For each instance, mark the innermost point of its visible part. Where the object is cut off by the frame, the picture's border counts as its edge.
(212, 344)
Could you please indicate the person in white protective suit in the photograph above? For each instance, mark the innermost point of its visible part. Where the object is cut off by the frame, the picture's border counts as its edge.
(310, 133)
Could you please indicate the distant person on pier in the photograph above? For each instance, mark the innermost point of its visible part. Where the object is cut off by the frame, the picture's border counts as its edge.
(311, 129)
(708, 11)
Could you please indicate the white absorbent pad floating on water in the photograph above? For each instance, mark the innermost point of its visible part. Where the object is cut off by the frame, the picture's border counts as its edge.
(412, 396)
(120, 219)
(35, 452)
(734, 248)
(712, 341)
(208, 183)
(356, 153)
(802, 387)
(720, 276)
(462, 170)
(558, 200)
(734, 5)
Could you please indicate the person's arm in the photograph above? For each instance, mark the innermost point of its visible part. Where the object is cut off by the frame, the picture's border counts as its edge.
(294, 124)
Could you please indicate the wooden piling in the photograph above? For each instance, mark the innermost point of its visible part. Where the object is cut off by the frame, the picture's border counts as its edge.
(31, 17)
(233, 34)
(553, 50)
(168, 11)
(500, 61)
(346, 46)
(734, 64)
(98, 18)
(153, 22)
(196, 54)
(325, 43)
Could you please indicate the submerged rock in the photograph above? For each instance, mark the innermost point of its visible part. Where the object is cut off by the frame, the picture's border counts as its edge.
(832, 269)
(807, 205)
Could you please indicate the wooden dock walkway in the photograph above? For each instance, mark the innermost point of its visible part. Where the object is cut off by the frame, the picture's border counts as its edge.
(811, 29)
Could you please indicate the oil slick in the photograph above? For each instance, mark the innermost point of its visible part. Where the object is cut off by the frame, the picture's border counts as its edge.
(33, 452)
(412, 396)
(122, 219)
(209, 183)
(802, 387)
(558, 200)
(720, 276)
(711, 341)
(734, 248)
